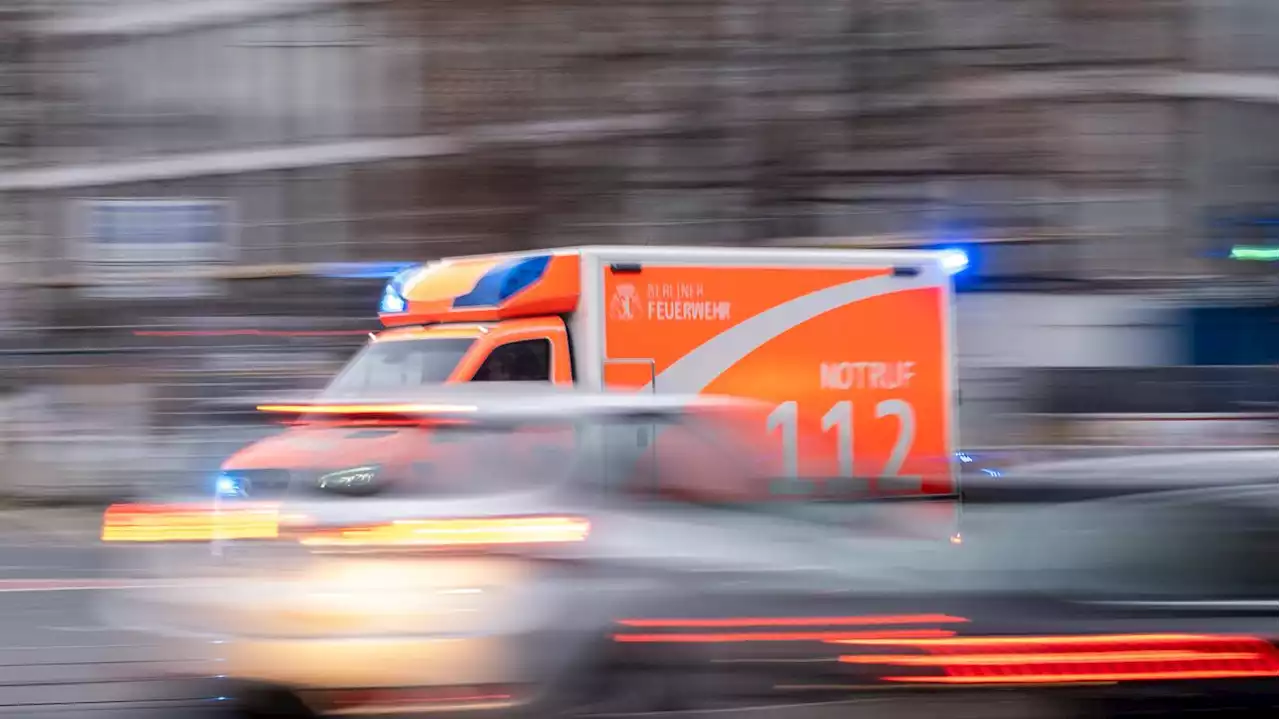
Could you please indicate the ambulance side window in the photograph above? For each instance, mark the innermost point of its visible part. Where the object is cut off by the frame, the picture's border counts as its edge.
(523, 361)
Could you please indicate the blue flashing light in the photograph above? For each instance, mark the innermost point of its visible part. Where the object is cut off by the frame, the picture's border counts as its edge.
(955, 261)
(227, 486)
(504, 281)
(393, 300)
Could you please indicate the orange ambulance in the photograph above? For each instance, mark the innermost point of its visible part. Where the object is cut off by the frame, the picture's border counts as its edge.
(850, 350)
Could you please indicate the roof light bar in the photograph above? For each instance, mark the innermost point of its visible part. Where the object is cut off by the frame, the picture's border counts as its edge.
(955, 261)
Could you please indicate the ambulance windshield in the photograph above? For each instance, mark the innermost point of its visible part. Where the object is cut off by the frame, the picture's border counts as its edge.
(399, 364)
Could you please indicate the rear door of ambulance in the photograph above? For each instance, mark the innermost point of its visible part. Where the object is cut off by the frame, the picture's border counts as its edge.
(851, 350)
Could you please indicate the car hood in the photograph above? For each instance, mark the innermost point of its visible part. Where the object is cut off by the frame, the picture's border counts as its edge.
(331, 447)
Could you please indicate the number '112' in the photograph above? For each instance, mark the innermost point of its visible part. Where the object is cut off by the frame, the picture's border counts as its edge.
(784, 418)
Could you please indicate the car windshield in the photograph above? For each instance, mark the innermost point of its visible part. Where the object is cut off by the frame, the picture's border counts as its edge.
(399, 364)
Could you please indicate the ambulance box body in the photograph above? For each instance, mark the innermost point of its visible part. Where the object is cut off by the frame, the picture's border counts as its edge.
(849, 351)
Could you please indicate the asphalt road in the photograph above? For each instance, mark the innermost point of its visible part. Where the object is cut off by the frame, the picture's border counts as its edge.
(59, 658)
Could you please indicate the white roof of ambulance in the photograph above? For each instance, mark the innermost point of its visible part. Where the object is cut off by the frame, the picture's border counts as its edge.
(734, 255)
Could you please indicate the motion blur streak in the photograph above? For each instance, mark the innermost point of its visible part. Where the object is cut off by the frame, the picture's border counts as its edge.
(1075, 659)
(186, 523)
(1090, 658)
(453, 532)
(1042, 641)
(780, 636)
(795, 621)
(364, 408)
(353, 700)
(248, 333)
(1085, 678)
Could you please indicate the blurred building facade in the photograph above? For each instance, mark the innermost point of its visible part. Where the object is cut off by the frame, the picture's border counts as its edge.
(188, 165)
(396, 129)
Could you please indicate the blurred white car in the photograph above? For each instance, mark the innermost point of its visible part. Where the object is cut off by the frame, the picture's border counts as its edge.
(577, 554)
(487, 579)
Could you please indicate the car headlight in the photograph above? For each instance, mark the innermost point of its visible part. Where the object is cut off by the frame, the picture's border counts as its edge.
(352, 481)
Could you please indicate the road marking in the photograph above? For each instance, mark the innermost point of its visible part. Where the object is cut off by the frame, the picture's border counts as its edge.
(1204, 605)
(101, 628)
(81, 585)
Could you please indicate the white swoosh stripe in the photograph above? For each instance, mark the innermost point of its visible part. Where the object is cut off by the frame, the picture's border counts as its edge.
(693, 372)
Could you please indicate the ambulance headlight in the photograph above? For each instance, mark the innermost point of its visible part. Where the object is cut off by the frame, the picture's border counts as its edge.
(955, 261)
